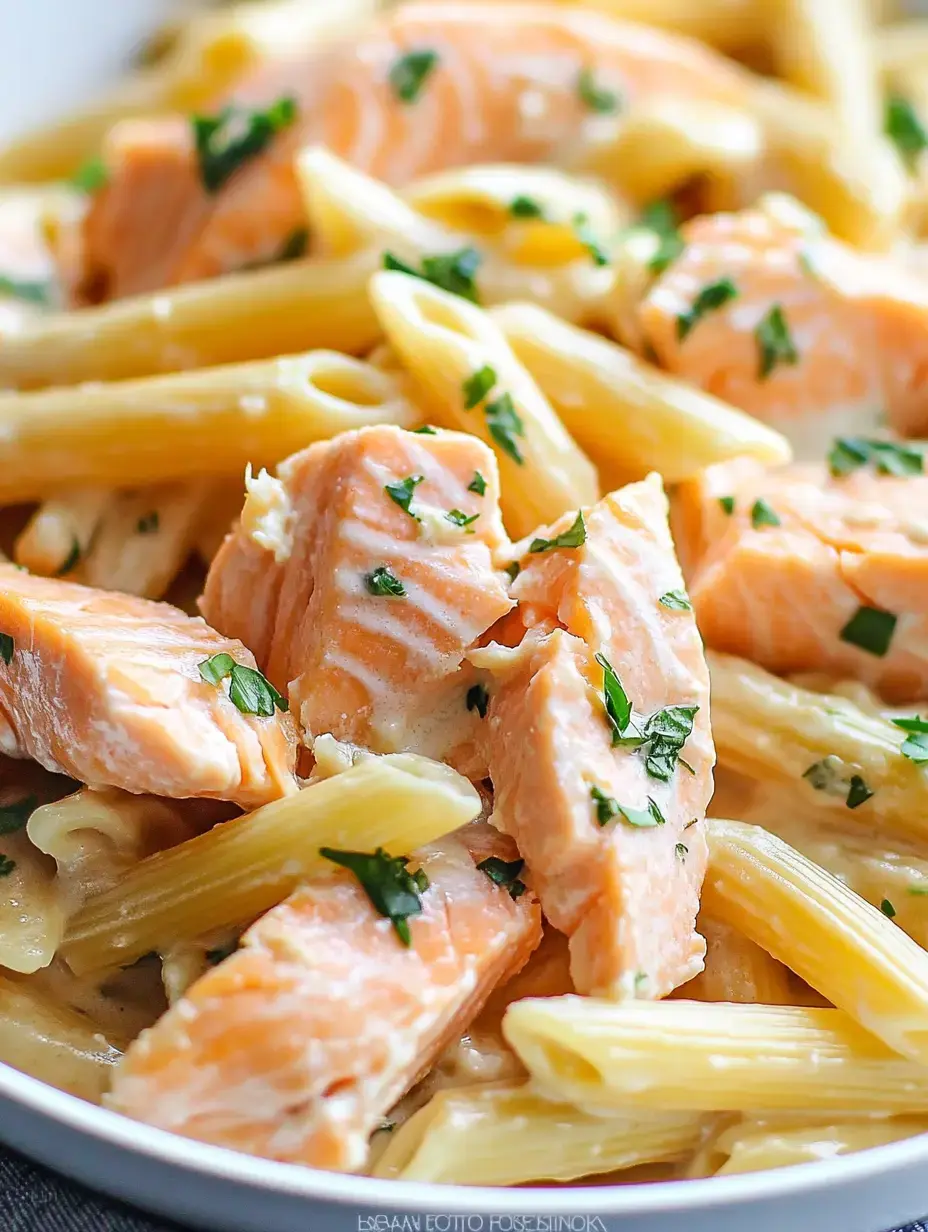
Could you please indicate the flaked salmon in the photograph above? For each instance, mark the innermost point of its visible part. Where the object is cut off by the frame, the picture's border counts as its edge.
(804, 570)
(361, 576)
(107, 688)
(296, 1046)
(768, 312)
(426, 87)
(599, 744)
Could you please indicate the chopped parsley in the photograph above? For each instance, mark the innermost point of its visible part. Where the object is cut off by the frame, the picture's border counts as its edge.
(457, 517)
(676, 601)
(478, 699)
(249, 690)
(14, 816)
(595, 97)
(526, 207)
(409, 73)
(394, 891)
(477, 386)
(31, 292)
(905, 130)
(504, 424)
(478, 484)
(915, 745)
(91, 177)
(6, 865)
(383, 581)
(226, 141)
(664, 735)
(763, 515)
(681, 851)
(919, 891)
(828, 775)
(660, 218)
(728, 504)
(574, 537)
(774, 343)
(642, 818)
(858, 792)
(504, 873)
(400, 492)
(513, 569)
(426, 430)
(587, 237)
(714, 295)
(7, 646)
(615, 699)
(148, 524)
(70, 561)
(871, 629)
(606, 806)
(887, 908)
(452, 271)
(850, 453)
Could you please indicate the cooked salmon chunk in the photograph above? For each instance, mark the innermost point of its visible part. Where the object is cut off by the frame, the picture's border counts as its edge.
(426, 87)
(768, 312)
(801, 570)
(107, 688)
(296, 1046)
(361, 577)
(599, 745)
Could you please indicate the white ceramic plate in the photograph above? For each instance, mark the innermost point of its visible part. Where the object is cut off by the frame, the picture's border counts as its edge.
(58, 52)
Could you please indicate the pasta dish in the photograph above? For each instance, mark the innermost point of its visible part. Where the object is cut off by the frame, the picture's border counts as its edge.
(464, 587)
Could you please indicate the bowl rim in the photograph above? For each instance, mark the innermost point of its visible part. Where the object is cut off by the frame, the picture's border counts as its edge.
(348, 1189)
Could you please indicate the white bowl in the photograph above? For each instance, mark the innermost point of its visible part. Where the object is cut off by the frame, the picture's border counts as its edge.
(55, 54)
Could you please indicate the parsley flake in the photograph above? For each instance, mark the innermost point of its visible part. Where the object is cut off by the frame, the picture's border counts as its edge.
(714, 295)
(453, 271)
(661, 218)
(14, 816)
(871, 629)
(905, 130)
(887, 908)
(763, 515)
(32, 292)
(478, 699)
(393, 890)
(477, 386)
(774, 343)
(220, 953)
(91, 177)
(504, 873)
(642, 818)
(850, 453)
(606, 806)
(858, 792)
(681, 851)
(573, 537)
(595, 97)
(425, 430)
(676, 601)
(585, 234)
(615, 699)
(504, 424)
(226, 141)
(513, 569)
(728, 504)
(71, 559)
(915, 745)
(409, 73)
(664, 735)
(249, 690)
(401, 490)
(457, 517)
(383, 581)
(7, 646)
(526, 207)
(478, 484)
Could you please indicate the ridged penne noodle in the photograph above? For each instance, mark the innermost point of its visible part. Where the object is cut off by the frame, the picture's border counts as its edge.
(240, 868)
(769, 729)
(630, 417)
(760, 1150)
(210, 422)
(203, 61)
(58, 535)
(507, 1135)
(249, 315)
(712, 1057)
(443, 341)
(729, 24)
(32, 916)
(48, 1040)
(844, 947)
(737, 969)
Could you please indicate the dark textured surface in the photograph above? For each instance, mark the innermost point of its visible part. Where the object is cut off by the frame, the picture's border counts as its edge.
(32, 1199)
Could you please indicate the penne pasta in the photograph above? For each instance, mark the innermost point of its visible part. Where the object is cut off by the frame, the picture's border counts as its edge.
(32, 916)
(737, 969)
(444, 341)
(59, 534)
(250, 315)
(239, 869)
(709, 1057)
(51, 1041)
(506, 1135)
(630, 417)
(751, 1152)
(211, 422)
(844, 947)
(772, 730)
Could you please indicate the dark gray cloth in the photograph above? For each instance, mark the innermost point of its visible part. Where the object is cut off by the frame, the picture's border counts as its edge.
(32, 1199)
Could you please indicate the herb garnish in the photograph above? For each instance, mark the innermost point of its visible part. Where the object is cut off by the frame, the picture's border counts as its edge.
(71, 559)
(587, 237)
(871, 629)
(224, 142)
(596, 98)
(905, 130)
(478, 699)
(574, 537)
(504, 873)
(676, 601)
(504, 424)
(477, 386)
(383, 581)
(915, 745)
(681, 851)
(453, 271)
(660, 737)
(401, 490)
(642, 818)
(393, 890)
(7, 646)
(606, 806)
(91, 177)
(526, 207)
(858, 792)
(32, 292)
(728, 504)
(714, 295)
(478, 484)
(774, 342)
(850, 453)
(425, 430)
(408, 74)
(457, 517)
(661, 218)
(221, 952)
(618, 707)
(827, 775)
(887, 908)
(513, 569)
(14, 816)
(249, 690)
(763, 515)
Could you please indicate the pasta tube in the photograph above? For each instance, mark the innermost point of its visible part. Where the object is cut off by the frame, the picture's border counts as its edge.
(210, 422)
(737, 969)
(629, 416)
(822, 930)
(31, 912)
(507, 1135)
(52, 1042)
(702, 1056)
(772, 730)
(250, 315)
(444, 342)
(754, 1152)
(60, 532)
(241, 868)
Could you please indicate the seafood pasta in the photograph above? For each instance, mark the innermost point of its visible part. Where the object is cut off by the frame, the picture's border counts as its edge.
(464, 592)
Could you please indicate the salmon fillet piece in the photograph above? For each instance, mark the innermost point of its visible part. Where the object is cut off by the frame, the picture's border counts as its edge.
(623, 885)
(810, 335)
(296, 1046)
(106, 688)
(803, 554)
(364, 603)
(506, 84)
